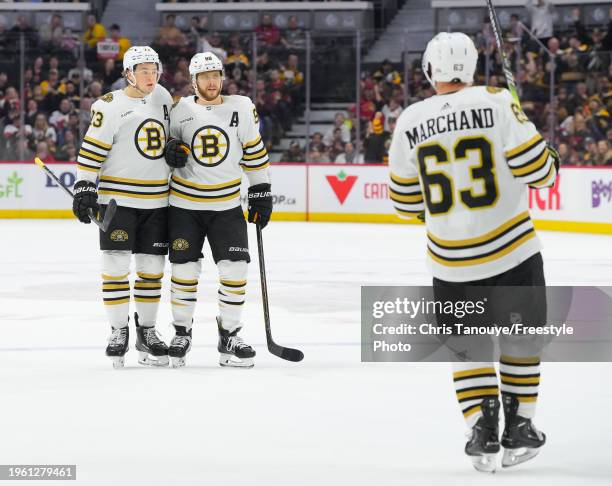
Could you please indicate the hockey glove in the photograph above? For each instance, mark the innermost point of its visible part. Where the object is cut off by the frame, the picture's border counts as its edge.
(260, 204)
(85, 198)
(556, 157)
(176, 153)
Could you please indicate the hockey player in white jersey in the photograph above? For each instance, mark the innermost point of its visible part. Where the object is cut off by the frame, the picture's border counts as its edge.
(465, 159)
(122, 157)
(221, 135)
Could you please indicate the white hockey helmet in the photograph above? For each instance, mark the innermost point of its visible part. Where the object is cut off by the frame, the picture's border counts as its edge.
(203, 62)
(139, 55)
(450, 57)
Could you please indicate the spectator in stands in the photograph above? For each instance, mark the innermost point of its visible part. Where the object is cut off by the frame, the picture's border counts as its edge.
(69, 42)
(374, 142)
(59, 118)
(316, 143)
(392, 109)
(75, 73)
(110, 73)
(31, 111)
(51, 33)
(339, 124)
(42, 131)
(336, 145)
(317, 157)
(268, 34)
(68, 139)
(541, 12)
(22, 27)
(170, 35)
(212, 43)
(94, 33)
(195, 32)
(11, 133)
(95, 90)
(124, 42)
(604, 153)
(43, 152)
(294, 153)
(349, 156)
(591, 152)
(294, 38)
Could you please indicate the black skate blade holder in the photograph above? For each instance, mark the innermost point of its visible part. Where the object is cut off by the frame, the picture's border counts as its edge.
(288, 354)
(111, 208)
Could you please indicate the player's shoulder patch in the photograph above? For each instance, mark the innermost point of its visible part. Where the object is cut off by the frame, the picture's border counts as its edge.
(494, 90)
(108, 97)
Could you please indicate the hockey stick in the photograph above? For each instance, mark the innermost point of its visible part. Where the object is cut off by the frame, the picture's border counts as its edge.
(282, 352)
(110, 209)
(500, 47)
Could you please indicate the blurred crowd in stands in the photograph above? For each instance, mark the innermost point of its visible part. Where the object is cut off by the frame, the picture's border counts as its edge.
(59, 91)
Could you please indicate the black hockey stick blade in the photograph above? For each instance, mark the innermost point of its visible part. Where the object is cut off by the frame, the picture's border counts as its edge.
(109, 214)
(288, 354)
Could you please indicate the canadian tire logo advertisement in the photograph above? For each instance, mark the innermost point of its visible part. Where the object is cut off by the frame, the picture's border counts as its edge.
(341, 184)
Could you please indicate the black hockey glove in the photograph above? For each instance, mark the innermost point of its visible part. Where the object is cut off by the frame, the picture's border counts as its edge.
(260, 204)
(555, 155)
(176, 153)
(85, 198)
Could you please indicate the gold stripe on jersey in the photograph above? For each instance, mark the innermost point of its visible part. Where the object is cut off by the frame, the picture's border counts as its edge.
(404, 181)
(252, 143)
(263, 165)
(88, 154)
(531, 166)
(205, 199)
(488, 237)
(206, 187)
(545, 181)
(89, 168)
(125, 180)
(405, 198)
(483, 258)
(524, 147)
(256, 155)
(137, 195)
(97, 143)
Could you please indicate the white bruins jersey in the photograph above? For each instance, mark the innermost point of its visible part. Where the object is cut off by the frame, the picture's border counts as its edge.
(467, 159)
(224, 140)
(124, 149)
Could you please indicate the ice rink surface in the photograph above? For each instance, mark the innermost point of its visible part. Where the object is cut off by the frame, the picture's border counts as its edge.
(329, 420)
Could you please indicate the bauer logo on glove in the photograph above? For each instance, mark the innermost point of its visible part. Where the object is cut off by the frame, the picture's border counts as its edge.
(260, 204)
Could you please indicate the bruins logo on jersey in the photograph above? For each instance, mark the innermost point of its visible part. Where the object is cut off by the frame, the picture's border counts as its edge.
(150, 139)
(210, 146)
(494, 90)
(108, 97)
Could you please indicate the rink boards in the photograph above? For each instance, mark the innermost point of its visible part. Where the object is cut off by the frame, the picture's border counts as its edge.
(580, 201)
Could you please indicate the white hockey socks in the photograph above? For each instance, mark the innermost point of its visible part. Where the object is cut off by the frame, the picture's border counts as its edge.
(231, 294)
(521, 377)
(116, 286)
(473, 383)
(184, 291)
(147, 287)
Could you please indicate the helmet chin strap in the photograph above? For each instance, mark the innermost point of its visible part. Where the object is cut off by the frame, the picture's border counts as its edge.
(133, 83)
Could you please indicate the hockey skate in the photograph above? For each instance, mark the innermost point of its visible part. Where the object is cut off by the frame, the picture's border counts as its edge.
(521, 440)
(118, 346)
(483, 444)
(152, 351)
(180, 346)
(233, 350)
